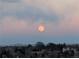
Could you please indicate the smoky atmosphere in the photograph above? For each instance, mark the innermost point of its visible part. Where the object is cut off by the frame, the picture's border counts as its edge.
(39, 28)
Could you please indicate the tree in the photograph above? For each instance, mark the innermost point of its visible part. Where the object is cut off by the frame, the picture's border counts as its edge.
(29, 46)
(40, 45)
(51, 46)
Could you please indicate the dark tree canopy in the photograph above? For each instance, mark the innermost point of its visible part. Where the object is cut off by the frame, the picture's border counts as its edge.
(39, 50)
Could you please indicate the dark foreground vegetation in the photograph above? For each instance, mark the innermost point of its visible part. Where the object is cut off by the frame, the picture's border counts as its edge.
(40, 50)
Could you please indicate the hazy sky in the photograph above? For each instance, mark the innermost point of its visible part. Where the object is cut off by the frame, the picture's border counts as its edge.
(19, 20)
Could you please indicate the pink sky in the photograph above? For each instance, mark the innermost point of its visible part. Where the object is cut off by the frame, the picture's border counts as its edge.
(68, 10)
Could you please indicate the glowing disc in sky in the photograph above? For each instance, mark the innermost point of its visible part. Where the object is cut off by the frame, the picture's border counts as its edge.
(41, 28)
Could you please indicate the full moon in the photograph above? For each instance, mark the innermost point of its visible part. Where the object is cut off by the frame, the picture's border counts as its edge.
(41, 28)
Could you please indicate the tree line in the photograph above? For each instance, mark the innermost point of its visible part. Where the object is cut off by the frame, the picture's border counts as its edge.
(39, 50)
